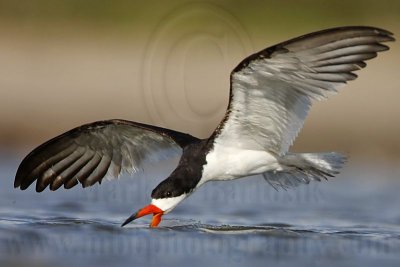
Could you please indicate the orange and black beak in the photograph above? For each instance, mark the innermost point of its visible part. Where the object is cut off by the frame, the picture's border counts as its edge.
(150, 209)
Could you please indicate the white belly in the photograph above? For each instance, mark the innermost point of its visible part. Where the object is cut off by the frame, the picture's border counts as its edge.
(226, 163)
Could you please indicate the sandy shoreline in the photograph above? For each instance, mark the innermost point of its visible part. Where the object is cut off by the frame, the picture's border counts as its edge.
(50, 84)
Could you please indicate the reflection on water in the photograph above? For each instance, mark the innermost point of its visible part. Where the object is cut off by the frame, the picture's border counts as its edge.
(353, 218)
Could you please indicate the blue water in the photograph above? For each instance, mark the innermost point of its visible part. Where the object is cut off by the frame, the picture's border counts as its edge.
(352, 220)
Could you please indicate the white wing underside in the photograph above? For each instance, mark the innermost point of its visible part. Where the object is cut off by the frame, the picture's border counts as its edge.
(272, 91)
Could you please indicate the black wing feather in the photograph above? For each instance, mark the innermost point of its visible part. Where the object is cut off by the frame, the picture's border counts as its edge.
(88, 153)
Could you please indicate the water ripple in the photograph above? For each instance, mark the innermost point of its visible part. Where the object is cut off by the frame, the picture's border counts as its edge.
(274, 229)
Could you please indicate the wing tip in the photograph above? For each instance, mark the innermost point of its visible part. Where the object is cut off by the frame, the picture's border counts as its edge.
(71, 183)
(376, 30)
(40, 187)
(22, 181)
(17, 184)
(17, 180)
(388, 37)
(21, 173)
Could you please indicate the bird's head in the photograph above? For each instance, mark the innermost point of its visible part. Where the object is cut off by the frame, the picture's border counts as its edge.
(164, 198)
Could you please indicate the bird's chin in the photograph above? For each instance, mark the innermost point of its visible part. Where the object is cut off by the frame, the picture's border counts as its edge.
(167, 204)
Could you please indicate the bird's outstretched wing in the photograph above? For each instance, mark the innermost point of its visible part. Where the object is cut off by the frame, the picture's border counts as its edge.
(272, 90)
(93, 151)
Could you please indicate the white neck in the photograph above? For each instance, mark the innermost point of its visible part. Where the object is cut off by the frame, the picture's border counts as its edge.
(167, 204)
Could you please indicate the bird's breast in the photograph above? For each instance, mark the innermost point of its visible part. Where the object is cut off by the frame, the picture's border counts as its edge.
(227, 163)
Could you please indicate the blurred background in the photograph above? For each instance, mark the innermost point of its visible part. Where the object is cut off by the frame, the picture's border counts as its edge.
(68, 62)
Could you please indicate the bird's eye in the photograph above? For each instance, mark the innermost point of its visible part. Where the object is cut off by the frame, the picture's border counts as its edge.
(168, 193)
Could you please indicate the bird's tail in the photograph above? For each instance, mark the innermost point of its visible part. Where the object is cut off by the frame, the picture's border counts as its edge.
(302, 168)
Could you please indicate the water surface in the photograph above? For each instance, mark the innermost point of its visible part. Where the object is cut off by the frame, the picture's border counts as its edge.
(353, 219)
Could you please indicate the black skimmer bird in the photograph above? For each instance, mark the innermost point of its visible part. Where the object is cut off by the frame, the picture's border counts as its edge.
(271, 93)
